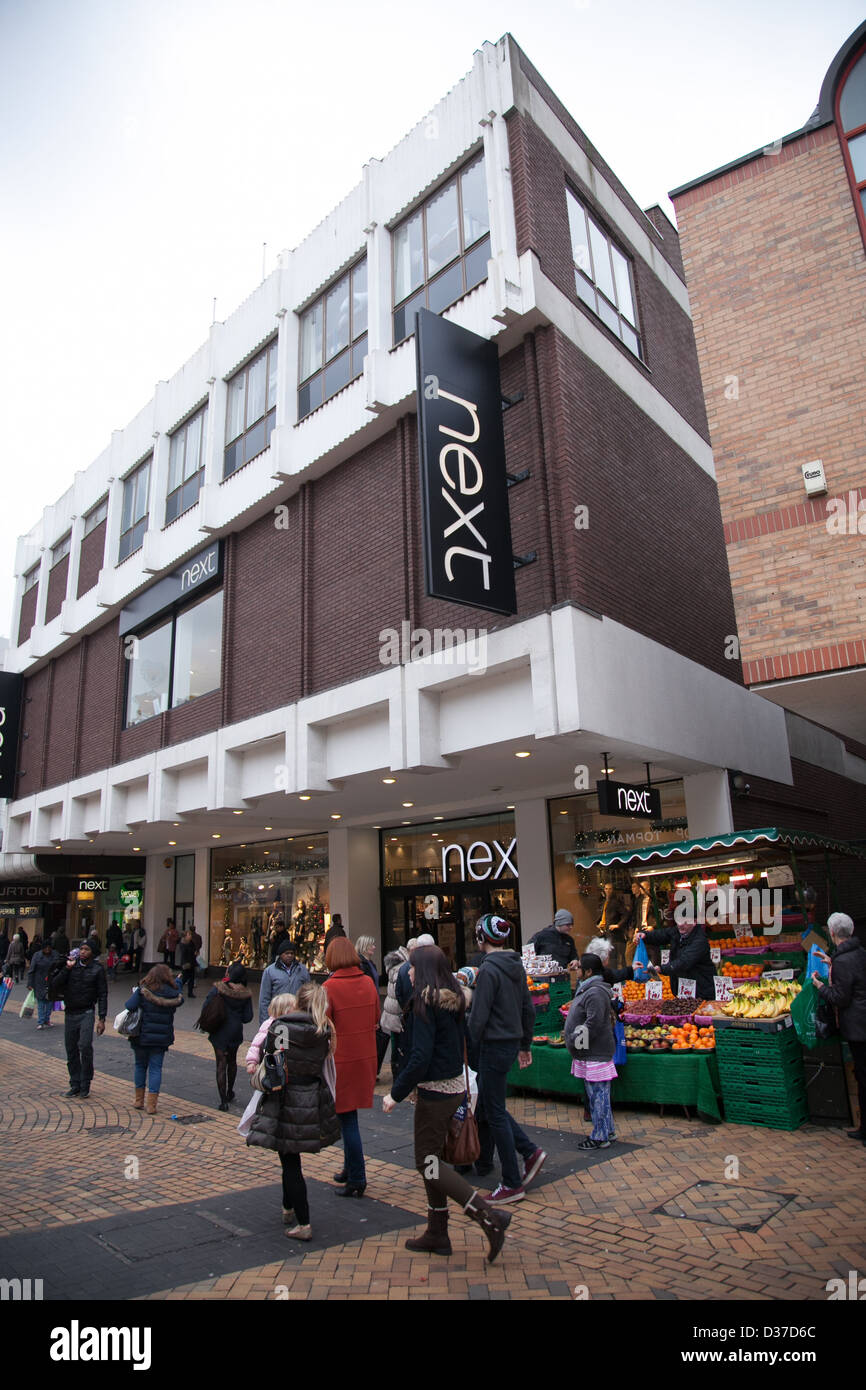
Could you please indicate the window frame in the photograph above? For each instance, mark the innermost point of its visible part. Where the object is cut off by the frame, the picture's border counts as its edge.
(351, 348)
(89, 523)
(170, 620)
(460, 259)
(268, 417)
(142, 520)
(592, 286)
(201, 412)
(31, 578)
(64, 541)
(858, 187)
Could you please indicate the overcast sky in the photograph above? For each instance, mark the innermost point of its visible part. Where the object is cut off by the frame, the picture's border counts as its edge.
(148, 149)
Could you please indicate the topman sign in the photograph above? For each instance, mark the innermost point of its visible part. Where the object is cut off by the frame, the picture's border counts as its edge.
(467, 532)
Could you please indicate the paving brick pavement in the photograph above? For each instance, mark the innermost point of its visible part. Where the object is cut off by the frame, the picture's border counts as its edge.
(777, 1232)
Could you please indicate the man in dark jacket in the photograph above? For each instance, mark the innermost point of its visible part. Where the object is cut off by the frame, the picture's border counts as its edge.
(690, 956)
(846, 993)
(41, 967)
(285, 976)
(114, 937)
(556, 940)
(335, 929)
(501, 1023)
(60, 942)
(82, 985)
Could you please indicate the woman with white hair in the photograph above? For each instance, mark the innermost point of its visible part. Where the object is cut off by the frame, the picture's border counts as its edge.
(603, 947)
(846, 993)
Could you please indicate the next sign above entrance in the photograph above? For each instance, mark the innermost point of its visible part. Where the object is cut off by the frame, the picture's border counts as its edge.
(478, 860)
(623, 799)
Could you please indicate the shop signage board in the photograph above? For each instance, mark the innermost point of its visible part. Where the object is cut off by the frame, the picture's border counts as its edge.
(626, 799)
(468, 557)
(780, 877)
(478, 860)
(11, 690)
(687, 989)
(93, 885)
(723, 988)
(196, 573)
(25, 892)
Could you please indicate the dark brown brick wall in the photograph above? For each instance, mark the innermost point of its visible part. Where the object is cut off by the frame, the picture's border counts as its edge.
(57, 579)
(62, 718)
(539, 177)
(263, 608)
(28, 613)
(92, 555)
(33, 729)
(102, 671)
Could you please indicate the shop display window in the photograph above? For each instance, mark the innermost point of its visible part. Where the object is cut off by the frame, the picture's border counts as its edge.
(260, 891)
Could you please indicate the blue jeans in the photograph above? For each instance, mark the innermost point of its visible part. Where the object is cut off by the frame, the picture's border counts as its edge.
(495, 1125)
(44, 1009)
(148, 1065)
(352, 1148)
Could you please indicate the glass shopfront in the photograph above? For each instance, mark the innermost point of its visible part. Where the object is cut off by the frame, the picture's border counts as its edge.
(260, 890)
(578, 827)
(442, 876)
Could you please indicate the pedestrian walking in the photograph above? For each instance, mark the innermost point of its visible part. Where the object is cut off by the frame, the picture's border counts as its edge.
(364, 948)
(501, 1024)
(158, 995)
(403, 996)
(353, 1006)
(168, 943)
(80, 982)
(299, 1118)
(33, 949)
(591, 1042)
(4, 944)
(846, 993)
(436, 1031)
(391, 1020)
(335, 931)
(137, 940)
(42, 966)
(114, 937)
(187, 963)
(60, 942)
(16, 959)
(285, 976)
(229, 1005)
(111, 962)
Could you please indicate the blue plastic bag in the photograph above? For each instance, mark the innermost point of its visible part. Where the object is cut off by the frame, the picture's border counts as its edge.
(815, 964)
(620, 1056)
(640, 962)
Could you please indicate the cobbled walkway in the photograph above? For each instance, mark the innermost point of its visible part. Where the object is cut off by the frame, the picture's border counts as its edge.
(103, 1201)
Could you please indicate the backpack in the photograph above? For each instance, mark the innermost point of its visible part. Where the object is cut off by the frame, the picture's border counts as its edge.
(212, 1016)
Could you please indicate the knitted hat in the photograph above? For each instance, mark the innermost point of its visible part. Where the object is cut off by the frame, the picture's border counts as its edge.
(491, 928)
(563, 918)
(467, 975)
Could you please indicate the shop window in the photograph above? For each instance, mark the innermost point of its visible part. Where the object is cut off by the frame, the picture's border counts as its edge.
(851, 124)
(251, 411)
(333, 340)
(603, 275)
(96, 517)
(133, 519)
(174, 662)
(441, 251)
(186, 466)
(261, 891)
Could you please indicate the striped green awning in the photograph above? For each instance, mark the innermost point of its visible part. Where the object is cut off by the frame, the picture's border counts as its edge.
(678, 850)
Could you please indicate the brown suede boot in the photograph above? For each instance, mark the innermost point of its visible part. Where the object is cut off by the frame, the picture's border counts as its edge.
(435, 1239)
(492, 1221)
(139, 1098)
(150, 1104)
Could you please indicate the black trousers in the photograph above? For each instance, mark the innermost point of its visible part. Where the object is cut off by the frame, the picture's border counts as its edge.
(294, 1188)
(78, 1036)
(858, 1056)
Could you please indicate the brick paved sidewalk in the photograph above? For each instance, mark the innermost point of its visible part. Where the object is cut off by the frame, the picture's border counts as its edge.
(662, 1218)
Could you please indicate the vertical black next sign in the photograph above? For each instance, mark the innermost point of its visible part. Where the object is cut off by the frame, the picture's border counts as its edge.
(467, 529)
(11, 689)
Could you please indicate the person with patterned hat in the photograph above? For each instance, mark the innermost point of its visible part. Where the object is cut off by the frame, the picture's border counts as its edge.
(500, 1027)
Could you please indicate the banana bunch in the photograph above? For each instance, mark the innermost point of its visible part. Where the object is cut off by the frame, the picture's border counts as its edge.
(767, 999)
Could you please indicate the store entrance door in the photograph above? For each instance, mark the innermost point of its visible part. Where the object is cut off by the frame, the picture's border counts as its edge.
(448, 913)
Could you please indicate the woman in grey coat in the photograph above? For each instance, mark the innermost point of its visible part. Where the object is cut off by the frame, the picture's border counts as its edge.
(16, 959)
(589, 1037)
(41, 965)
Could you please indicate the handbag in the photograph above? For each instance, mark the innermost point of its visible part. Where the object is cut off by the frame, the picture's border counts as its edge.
(462, 1143)
(28, 1006)
(128, 1023)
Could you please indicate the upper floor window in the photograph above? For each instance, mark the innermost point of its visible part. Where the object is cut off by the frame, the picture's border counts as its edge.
(133, 517)
(252, 410)
(602, 275)
(851, 119)
(31, 579)
(176, 661)
(61, 549)
(96, 517)
(186, 465)
(333, 340)
(441, 251)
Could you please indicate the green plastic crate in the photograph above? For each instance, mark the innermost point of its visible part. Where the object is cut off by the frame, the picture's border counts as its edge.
(746, 1042)
(742, 1112)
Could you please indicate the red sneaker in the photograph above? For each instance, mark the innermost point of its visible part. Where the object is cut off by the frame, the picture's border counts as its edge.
(502, 1195)
(532, 1167)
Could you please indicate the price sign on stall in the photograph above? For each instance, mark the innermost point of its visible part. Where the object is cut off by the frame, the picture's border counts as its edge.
(723, 988)
(666, 957)
(716, 954)
(654, 989)
(617, 991)
(742, 929)
(687, 990)
(778, 975)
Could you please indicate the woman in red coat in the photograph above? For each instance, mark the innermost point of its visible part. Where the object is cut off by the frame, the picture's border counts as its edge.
(354, 1008)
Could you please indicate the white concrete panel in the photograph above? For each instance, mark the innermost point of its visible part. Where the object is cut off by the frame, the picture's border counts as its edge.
(486, 710)
(357, 745)
(708, 804)
(533, 860)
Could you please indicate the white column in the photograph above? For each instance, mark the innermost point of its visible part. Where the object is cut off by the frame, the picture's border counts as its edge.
(533, 862)
(353, 871)
(708, 804)
(201, 908)
(158, 902)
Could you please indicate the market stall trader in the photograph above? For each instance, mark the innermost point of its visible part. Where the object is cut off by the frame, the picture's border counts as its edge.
(690, 956)
(556, 940)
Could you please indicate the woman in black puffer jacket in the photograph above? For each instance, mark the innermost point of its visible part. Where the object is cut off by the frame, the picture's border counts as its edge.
(157, 996)
(226, 1038)
(301, 1117)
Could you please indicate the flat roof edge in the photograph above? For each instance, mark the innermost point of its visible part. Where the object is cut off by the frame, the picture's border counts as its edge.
(738, 163)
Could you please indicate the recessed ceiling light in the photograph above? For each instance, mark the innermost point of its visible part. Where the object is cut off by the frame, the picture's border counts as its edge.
(172, 842)
(393, 838)
(176, 822)
(406, 822)
(261, 886)
(335, 815)
(438, 817)
(266, 851)
(509, 808)
(237, 813)
(269, 827)
(523, 755)
(389, 781)
(304, 798)
(215, 836)
(136, 849)
(311, 846)
(289, 839)
(563, 813)
(242, 846)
